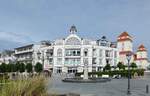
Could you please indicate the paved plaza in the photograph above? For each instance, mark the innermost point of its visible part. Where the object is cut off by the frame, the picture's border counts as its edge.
(116, 87)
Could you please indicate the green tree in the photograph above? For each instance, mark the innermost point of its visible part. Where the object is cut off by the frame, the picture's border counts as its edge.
(120, 65)
(29, 67)
(38, 67)
(17, 66)
(3, 68)
(21, 67)
(133, 65)
(9, 67)
(107, 67)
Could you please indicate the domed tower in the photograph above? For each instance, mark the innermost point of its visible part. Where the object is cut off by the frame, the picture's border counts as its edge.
(125, 46)
(73, 29)
(141, 57)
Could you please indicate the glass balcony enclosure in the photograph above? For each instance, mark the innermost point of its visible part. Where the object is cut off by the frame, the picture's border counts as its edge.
(72, 52)
(72, 61)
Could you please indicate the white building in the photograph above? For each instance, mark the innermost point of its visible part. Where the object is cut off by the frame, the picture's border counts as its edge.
(142, 57)
(26, 54)
(70, 54)
(7, 56)
(125, 46)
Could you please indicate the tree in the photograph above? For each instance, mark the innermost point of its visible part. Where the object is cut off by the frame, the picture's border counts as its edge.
(9, 67)
(38, 67)
(3, 68)
(17, 66)
(133, 65)
(107, 67)
(120, 65)
(29, 67)
(21, 67)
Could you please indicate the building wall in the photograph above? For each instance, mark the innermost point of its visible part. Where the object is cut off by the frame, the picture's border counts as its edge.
(59, 63)
(125, 46)
(142, 54)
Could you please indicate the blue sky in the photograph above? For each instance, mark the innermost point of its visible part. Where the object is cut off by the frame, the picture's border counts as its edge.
(27, 21)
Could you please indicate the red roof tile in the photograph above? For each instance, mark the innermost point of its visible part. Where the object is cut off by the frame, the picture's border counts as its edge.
(124, 34)
(141, 48)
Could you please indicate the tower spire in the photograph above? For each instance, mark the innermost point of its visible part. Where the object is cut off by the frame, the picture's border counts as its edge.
(73, 29)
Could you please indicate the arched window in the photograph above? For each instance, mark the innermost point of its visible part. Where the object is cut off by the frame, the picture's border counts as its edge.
(59, 52)
(73, 41)
(85, 52)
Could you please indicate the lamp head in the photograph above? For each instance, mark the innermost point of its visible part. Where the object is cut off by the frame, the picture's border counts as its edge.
(129, 56)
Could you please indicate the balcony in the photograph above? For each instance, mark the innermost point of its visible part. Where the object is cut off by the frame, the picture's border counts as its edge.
(23, 51)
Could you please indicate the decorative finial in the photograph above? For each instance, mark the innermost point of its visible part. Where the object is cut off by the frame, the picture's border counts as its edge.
(73, 29)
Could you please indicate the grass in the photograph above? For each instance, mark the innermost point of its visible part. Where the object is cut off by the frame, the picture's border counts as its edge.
(34, 86)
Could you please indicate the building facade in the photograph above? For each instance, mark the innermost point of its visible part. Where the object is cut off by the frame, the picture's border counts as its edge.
(142, 57)
(7, 56)
(125, 46)
(72, 53)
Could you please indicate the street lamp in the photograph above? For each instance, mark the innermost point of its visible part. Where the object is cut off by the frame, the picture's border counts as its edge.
(129, 56)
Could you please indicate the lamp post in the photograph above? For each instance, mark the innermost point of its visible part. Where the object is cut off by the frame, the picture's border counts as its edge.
(128, 56)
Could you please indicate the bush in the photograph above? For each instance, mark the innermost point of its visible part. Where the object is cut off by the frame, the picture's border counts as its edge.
(29, 67)
(120, 65)
(123, 73)
(31, 87)
(38, 67)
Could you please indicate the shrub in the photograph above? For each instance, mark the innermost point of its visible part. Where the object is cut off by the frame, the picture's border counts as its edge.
(31, 87)
(38, 67)
(123, 73)
(29, 67)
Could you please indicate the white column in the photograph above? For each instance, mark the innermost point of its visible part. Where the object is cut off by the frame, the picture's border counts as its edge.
(85, 77)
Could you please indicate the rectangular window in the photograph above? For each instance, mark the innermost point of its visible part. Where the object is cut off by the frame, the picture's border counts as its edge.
(74, 61)
(59, 61)
(100, 52)
(94, 52)
(94, 61)
(50, 61)
(72, 52)
(59, 69)
(108, 53)
(93, 69)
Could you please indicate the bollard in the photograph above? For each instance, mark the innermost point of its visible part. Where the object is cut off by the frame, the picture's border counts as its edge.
(147, 89)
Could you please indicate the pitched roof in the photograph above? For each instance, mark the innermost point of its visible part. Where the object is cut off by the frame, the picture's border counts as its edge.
(141, 48)
(124, 34)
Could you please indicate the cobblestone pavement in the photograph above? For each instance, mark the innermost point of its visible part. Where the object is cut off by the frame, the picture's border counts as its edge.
(116, 87)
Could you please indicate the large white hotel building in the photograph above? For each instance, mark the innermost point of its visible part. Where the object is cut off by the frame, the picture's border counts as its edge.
(72, 53)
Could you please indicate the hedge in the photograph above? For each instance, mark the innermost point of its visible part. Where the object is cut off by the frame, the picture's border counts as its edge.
(123, 73)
